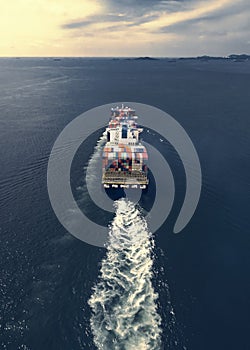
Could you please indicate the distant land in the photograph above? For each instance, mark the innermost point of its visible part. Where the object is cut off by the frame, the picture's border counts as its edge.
(232, 57)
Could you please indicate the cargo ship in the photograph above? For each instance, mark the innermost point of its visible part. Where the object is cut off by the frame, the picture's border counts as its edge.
(124, 156)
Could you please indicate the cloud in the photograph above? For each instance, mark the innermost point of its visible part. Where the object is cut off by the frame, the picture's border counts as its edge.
(124, 27)
(202, 8)
(130, 12)
(95, 19)
(156, 16)
(165, 27)
(119, 19)
(147, 4)
(220, 32)
(214, 18)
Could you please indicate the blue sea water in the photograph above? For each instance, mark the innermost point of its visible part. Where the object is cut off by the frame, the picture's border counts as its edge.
(47, 275)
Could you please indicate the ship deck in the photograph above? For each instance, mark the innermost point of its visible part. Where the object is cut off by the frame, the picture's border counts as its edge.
(124, 178)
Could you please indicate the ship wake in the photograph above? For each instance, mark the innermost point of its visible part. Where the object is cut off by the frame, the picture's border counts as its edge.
(92, 174)
(123, 302)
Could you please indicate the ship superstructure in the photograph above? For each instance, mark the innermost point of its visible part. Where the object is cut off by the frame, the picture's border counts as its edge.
(124, 156)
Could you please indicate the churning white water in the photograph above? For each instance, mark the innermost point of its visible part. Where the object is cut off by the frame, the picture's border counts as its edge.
(124, 303)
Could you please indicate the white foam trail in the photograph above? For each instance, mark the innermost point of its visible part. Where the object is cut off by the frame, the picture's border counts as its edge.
(92, 186)
(95, 160)
(124, 303)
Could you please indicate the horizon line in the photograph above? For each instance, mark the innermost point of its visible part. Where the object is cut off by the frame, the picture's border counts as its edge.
(140, 56)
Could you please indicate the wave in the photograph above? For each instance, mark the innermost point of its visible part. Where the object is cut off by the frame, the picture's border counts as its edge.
(93, 169)
(124, 303)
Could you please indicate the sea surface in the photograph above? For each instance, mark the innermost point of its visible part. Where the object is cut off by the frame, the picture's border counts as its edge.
(198, 281)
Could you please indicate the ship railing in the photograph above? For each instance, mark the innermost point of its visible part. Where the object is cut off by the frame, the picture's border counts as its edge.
(123, 177)
(135, 173)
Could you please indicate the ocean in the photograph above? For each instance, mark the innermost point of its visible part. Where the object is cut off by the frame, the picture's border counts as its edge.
(198, 278)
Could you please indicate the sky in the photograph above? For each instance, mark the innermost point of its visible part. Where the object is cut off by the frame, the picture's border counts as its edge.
(128, 28)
